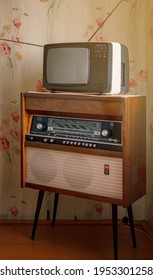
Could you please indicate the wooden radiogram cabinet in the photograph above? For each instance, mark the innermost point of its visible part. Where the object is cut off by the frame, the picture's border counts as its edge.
(114, 173)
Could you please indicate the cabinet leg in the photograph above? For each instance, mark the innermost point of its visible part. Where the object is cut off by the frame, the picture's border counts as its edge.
(130, 214)
(115, 230)
(38, 208)
(55, 208)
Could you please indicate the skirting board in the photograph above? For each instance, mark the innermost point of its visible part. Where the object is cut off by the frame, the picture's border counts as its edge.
(68, 222)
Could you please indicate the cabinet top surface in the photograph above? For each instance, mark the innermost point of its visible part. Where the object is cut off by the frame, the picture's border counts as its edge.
(73, 95)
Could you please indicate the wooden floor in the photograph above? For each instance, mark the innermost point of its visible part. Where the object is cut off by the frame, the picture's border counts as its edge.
(71, 241)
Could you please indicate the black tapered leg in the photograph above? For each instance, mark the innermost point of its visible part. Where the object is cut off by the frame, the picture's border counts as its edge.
(115, 230)
(38, 208)
(55, 208)
(130, 214)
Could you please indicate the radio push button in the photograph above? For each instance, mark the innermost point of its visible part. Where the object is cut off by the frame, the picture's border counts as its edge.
(31, 138)
(46, 140)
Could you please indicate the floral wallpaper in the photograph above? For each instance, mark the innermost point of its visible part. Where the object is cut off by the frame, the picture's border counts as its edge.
(25, 26)
(10, 136)
(13, 32)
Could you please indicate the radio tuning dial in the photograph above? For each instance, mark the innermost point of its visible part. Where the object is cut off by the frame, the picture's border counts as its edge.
(41, 126)
(106, 133)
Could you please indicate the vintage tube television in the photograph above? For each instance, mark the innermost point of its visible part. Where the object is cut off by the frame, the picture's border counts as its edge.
(91, 67)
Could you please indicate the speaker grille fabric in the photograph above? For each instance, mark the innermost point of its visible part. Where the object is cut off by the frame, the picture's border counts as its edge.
(72, 171)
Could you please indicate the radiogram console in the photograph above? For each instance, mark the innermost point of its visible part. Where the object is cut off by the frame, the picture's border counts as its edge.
(84, 145)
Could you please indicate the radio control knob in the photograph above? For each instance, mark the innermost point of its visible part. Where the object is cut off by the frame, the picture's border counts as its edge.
(106, 133)
(41, 126)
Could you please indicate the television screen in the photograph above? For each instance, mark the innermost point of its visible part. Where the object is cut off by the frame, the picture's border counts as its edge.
(69, 66)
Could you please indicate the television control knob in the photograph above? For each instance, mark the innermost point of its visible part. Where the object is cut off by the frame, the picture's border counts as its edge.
(41, 126)
(106, 133)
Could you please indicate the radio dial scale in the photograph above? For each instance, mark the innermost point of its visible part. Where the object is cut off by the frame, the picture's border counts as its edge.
(85, 133)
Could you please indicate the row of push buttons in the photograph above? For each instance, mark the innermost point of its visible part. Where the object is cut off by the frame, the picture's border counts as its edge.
(79, 144)
(64, 142)
(45, 140)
